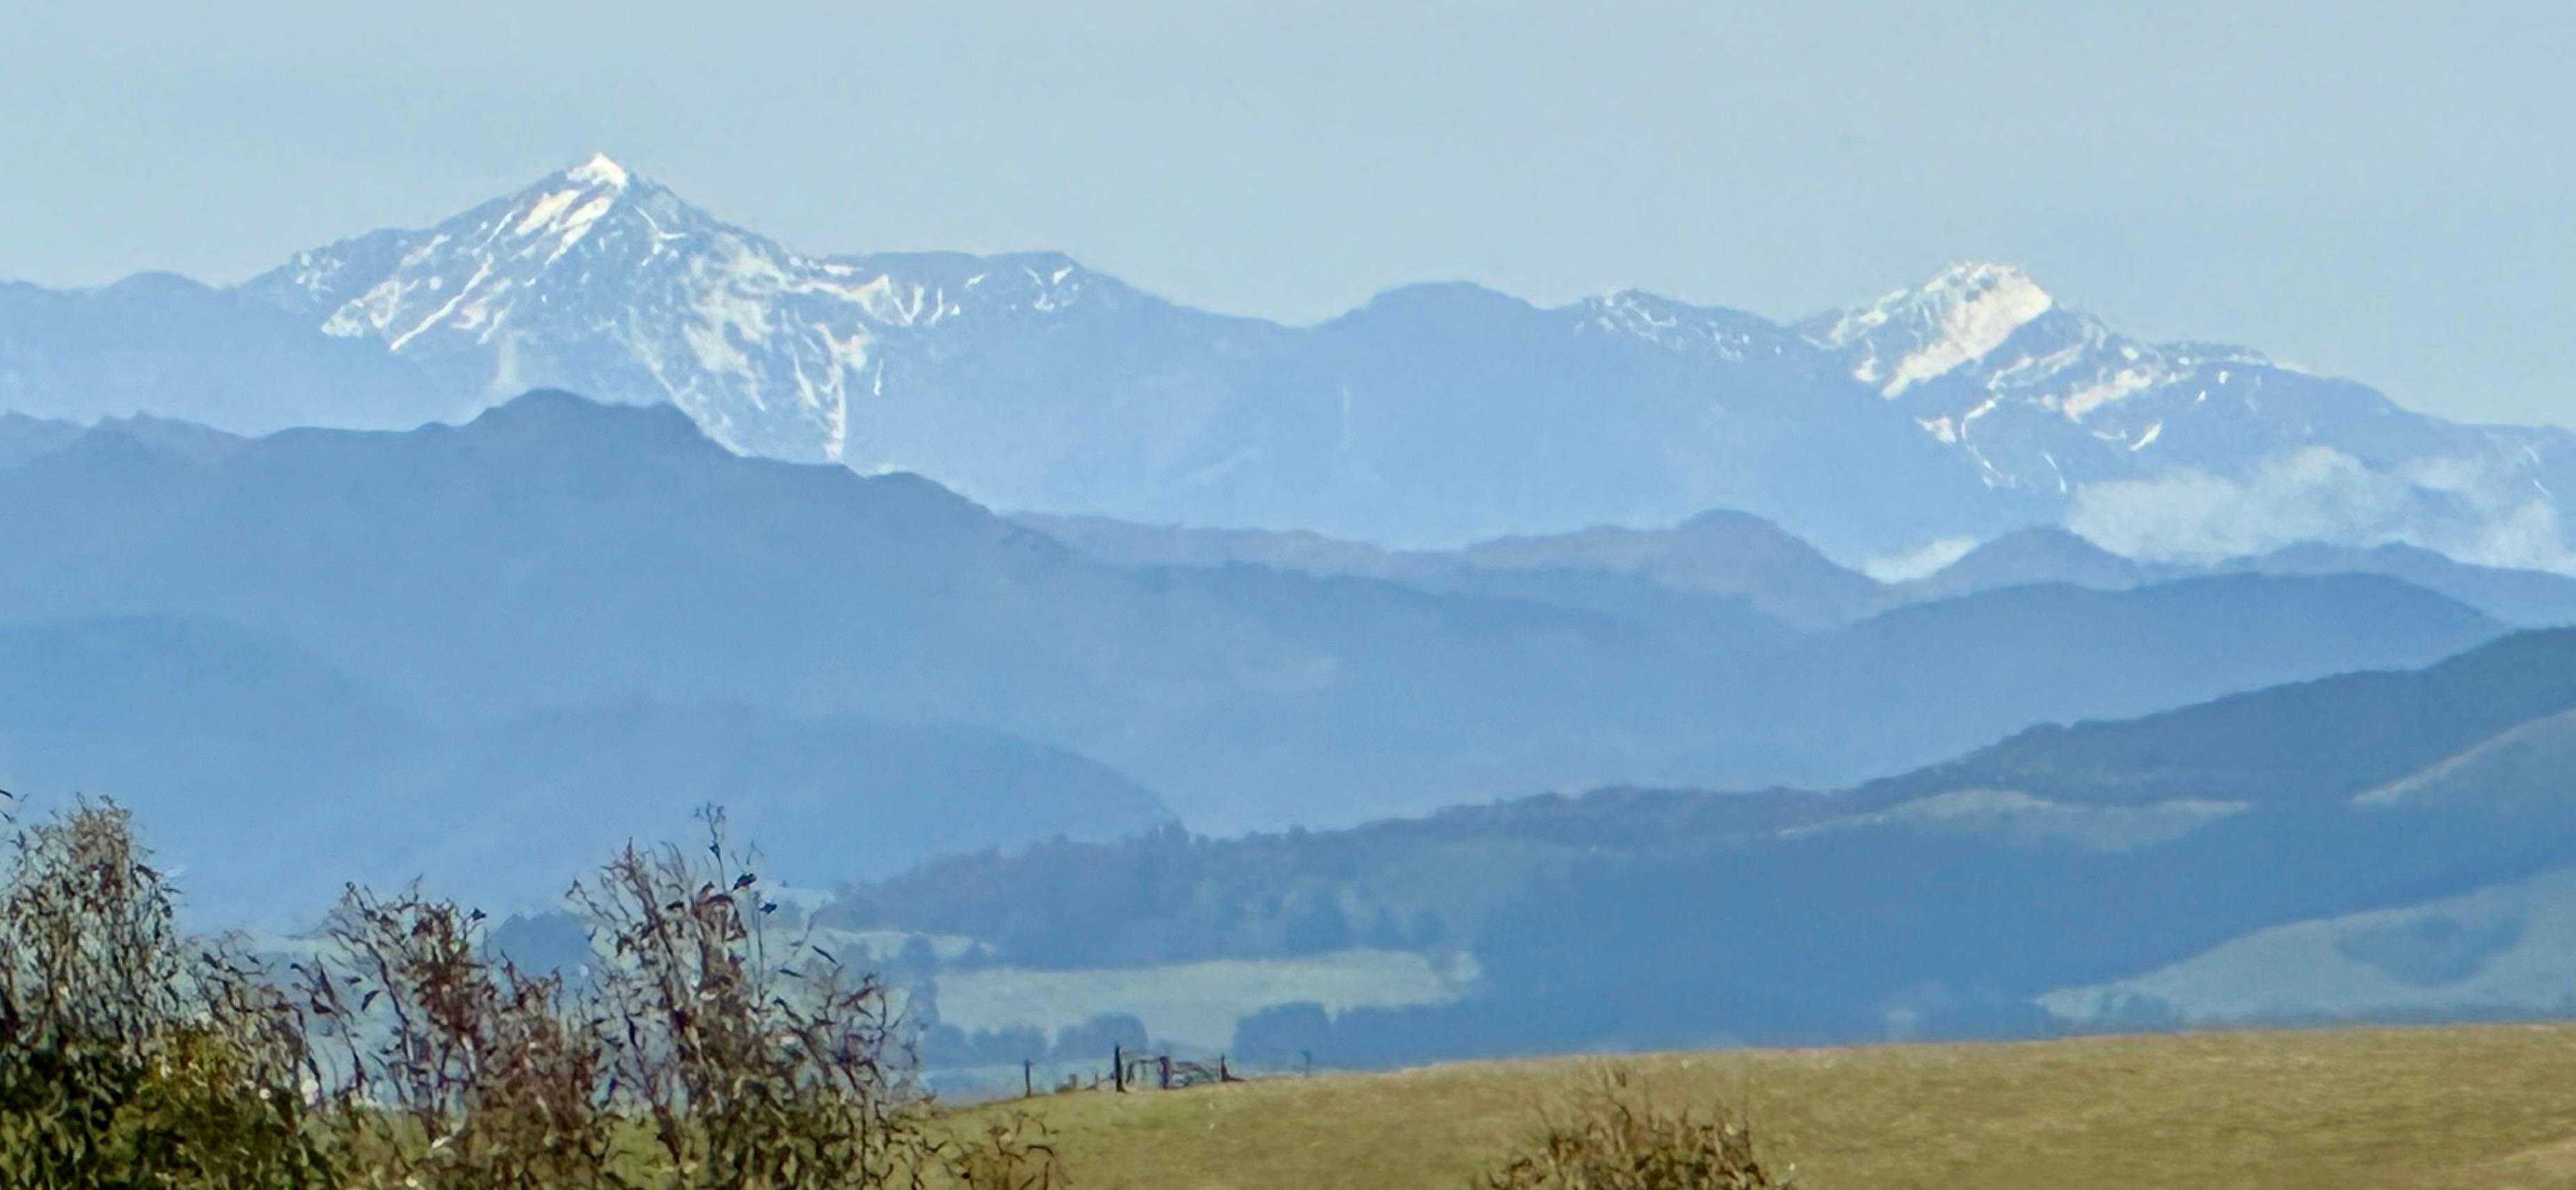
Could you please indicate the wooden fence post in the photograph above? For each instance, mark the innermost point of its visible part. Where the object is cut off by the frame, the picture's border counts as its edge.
(1028, 1079)
(1166, 1063)
(1118, 1067)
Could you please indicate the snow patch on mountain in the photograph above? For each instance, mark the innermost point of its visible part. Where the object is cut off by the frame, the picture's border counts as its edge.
(599, 171)
(1956, 318)
(1730, 335)
(2106, 390)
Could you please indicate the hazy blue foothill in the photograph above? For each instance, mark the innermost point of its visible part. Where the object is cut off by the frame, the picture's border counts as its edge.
(604, 564)
(1745, 558)
(489, 653)
(274, 777)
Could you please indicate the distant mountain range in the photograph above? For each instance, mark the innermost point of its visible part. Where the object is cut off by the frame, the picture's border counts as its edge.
(1741, 557)
(1897, 432)
(611, 567)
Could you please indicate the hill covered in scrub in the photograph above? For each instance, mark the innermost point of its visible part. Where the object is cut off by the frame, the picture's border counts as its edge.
(2413, 825)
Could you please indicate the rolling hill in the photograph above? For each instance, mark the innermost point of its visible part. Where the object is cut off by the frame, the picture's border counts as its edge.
(2120, 874)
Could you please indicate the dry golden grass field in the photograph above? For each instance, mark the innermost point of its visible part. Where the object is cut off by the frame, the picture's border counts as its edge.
(2492, 1107)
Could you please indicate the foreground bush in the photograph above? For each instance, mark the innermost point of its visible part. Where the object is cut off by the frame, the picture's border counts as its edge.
(701, 1051)
(130, 1056)
(1612, 1137)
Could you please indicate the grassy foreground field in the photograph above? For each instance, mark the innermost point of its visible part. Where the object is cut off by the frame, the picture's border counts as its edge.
(2492, 1107)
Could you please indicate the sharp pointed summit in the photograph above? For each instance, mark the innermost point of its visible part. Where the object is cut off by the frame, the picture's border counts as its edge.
(598, 169)
(1955, 319)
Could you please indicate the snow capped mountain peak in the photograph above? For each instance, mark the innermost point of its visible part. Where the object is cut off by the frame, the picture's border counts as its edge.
(465, 276)
(1956, 318)
(562, 209)
(599, 170)
(2036, 393)
(594, 277)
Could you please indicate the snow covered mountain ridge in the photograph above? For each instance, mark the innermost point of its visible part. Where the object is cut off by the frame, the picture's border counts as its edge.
(599, 279)
(2191, 450)
(1984, 341)
(1954, 411)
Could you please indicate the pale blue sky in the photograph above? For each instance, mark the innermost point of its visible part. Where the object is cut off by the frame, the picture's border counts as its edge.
(2386, 191)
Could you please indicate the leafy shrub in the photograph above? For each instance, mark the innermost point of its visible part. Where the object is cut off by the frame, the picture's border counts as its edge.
(703, 1049)
(759, 1060)
(1612, 1137)
(451, 1071)
(130, 1056)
